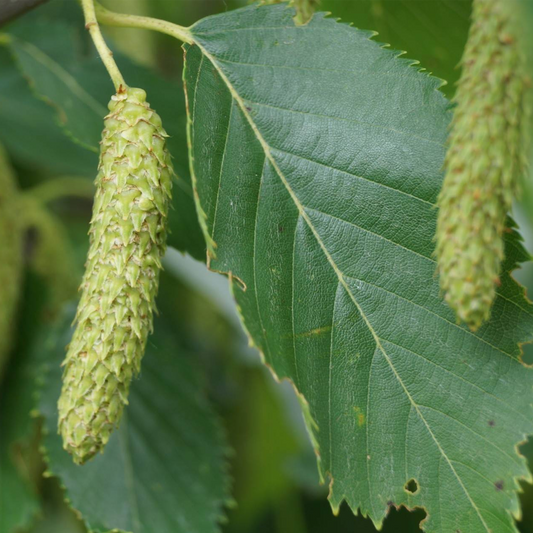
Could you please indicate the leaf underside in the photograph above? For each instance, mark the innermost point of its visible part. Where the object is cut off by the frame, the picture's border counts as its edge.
(317, 158)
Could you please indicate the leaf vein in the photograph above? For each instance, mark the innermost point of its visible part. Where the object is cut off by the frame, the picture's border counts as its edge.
(484, 391)
(254, 255)
(330, 375)
(379, 184)
(329, 215)
(316, 69)
(496, 447)
(463, 329)
(221, 172)
(342, 119)
(292, 302)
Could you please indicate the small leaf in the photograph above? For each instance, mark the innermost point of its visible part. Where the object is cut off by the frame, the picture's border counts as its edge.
(317, 156)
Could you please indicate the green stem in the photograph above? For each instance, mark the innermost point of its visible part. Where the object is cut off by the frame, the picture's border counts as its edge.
(61, 187)
(106, 55)
(111, 18)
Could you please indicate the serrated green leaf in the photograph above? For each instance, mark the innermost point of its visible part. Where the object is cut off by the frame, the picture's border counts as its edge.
(317, 156)
(77, 86)
(164, 469)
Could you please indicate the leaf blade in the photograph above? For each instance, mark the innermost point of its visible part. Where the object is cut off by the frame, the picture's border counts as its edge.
(354, 185)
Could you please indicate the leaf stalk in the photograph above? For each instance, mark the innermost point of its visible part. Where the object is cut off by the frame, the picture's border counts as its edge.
(62, 187)
(91, 23)
(110, 18)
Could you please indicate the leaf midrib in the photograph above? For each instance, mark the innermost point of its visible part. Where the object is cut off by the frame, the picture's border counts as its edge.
(349, 120)
(301, 209)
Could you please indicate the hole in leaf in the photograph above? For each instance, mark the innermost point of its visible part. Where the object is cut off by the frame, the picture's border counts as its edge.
(411, 486)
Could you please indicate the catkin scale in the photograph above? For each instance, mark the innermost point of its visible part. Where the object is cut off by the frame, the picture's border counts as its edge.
(486, 158)
(128, 239)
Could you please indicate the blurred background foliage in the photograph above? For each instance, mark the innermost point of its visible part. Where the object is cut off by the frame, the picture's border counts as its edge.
(275, 485)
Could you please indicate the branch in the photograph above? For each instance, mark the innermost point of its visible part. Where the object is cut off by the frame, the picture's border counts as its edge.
(11, 9)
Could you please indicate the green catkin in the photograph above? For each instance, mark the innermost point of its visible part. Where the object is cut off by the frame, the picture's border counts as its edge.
(128, 240)
(11, 256)
(486, 159)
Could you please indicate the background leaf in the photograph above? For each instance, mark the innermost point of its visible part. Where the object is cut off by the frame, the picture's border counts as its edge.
(73, 80)
(317, 156)
(18, 502)
(45, 61)
(20, 467)
(433, 32)
(164, 470)
(30, 132)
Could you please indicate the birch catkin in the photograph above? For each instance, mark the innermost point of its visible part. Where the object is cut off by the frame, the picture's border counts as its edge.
(487, 156)
(128, 239)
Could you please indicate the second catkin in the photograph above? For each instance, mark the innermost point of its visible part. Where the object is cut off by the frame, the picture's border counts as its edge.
(486, 159)
(128, 239)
